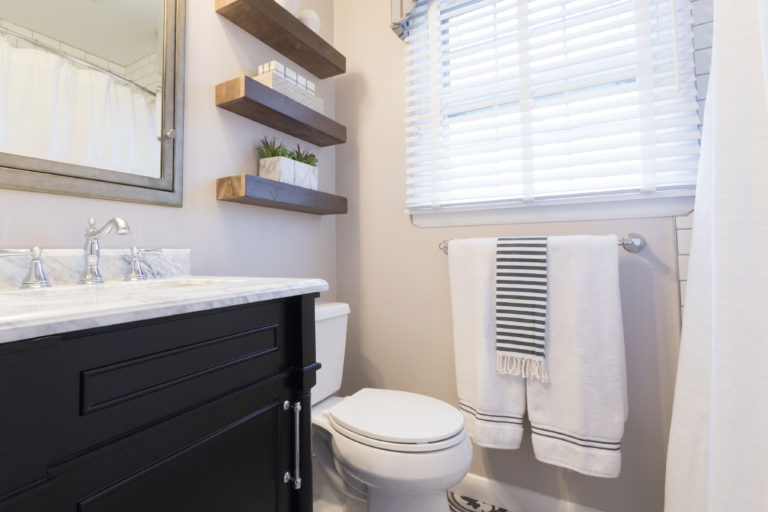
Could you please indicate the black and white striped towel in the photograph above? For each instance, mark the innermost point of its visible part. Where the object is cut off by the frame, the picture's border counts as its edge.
(521, 307)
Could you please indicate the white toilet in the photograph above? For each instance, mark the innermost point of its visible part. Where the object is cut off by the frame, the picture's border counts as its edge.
(379, 450)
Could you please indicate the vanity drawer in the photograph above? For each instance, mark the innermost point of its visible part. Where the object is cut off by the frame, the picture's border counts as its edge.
(137, 378)
(125, 378)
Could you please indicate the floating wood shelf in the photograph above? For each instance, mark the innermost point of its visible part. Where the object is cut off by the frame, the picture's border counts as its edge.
(247, 97)
(249, 189)
(276, 27)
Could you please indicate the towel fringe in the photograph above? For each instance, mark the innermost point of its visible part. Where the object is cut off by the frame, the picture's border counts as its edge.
(518, 366)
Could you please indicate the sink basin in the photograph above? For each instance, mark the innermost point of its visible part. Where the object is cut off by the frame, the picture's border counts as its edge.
(39, 312)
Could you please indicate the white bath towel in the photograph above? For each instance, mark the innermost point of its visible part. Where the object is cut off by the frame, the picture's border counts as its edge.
(493, 405)
(577, 418)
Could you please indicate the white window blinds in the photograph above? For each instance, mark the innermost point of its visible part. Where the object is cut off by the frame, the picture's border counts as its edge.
(543, 102)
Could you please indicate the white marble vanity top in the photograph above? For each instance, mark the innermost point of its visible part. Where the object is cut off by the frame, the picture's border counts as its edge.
(28, 314)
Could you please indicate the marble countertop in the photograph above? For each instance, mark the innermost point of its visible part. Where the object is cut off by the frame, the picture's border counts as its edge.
(28, 314)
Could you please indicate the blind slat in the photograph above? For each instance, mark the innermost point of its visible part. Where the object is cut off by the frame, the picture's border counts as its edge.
(513, 102)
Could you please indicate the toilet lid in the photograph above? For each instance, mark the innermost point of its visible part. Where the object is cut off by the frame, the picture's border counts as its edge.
(382, 415)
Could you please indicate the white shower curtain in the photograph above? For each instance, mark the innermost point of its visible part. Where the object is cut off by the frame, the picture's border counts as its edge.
(53, 109)
(718, 448)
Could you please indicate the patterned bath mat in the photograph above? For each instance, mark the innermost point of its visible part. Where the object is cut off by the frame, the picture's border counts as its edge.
(466, 504)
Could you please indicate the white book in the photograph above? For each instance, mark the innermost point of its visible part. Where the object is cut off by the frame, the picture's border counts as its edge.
(287, 88)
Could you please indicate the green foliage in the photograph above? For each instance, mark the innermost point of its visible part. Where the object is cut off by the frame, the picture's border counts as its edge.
(270, 147)
(303, 156)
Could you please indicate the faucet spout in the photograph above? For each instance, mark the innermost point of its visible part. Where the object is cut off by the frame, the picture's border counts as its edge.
(116, 223)
(91, 274)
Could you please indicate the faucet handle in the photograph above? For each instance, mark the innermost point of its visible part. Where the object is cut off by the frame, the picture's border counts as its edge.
(136, 273)
(35, 275)
(91, 229)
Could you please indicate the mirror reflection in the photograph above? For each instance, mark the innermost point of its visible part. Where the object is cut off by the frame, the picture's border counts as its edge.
(81, 82)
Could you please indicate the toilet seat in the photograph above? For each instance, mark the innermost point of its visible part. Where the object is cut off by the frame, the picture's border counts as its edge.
(397, 421)
(399, 447)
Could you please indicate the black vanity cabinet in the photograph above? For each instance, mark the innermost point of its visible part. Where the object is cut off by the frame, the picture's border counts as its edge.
(188, 413)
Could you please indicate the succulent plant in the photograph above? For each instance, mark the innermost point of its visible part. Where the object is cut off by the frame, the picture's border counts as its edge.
(303, 156)
(270, 148)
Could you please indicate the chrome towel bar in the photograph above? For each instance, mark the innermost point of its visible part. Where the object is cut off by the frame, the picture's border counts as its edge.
(631, 242)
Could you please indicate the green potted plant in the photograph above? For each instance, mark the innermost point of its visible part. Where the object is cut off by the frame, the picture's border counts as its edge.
(274, 163)
(305, 168)
(294, 167)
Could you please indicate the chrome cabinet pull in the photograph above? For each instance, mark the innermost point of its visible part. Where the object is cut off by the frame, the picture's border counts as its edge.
(296, 478)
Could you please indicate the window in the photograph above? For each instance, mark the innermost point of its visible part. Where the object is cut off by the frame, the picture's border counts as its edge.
(517, 108)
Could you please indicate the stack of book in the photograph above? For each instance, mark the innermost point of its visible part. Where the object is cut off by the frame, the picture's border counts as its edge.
(289, 83)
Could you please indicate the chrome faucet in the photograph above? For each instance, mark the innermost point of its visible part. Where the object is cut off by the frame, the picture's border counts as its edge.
(91, 274)
(35, 275)
(136, 273)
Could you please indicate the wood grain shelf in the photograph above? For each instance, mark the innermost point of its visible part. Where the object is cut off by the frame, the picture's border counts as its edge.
(247, 97)
(249, 189)
(276, 27)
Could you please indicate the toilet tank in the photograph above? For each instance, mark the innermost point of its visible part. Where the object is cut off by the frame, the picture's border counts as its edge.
(330, 340)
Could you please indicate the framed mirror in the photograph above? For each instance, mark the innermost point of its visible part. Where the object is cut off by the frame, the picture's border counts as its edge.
(92, 98)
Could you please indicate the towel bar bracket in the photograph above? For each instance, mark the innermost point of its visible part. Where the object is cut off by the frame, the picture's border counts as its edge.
(631, 242)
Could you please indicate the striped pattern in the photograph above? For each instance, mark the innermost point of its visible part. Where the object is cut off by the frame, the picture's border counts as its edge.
(575, 440)
(458, 503)
(521, 306)
(489, 418)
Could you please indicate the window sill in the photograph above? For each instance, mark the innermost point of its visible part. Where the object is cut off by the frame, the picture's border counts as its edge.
(625, 209)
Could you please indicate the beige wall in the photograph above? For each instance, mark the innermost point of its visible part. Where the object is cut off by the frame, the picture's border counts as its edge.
(396, 281)
(225, 238)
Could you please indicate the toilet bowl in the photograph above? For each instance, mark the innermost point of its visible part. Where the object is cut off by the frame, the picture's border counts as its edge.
(379, 450)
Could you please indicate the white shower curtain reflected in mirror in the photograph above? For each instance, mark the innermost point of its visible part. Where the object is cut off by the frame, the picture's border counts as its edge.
(55, 109)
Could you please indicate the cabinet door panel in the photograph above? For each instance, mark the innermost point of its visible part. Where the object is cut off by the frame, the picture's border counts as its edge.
(235, 468)
(225, 456)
